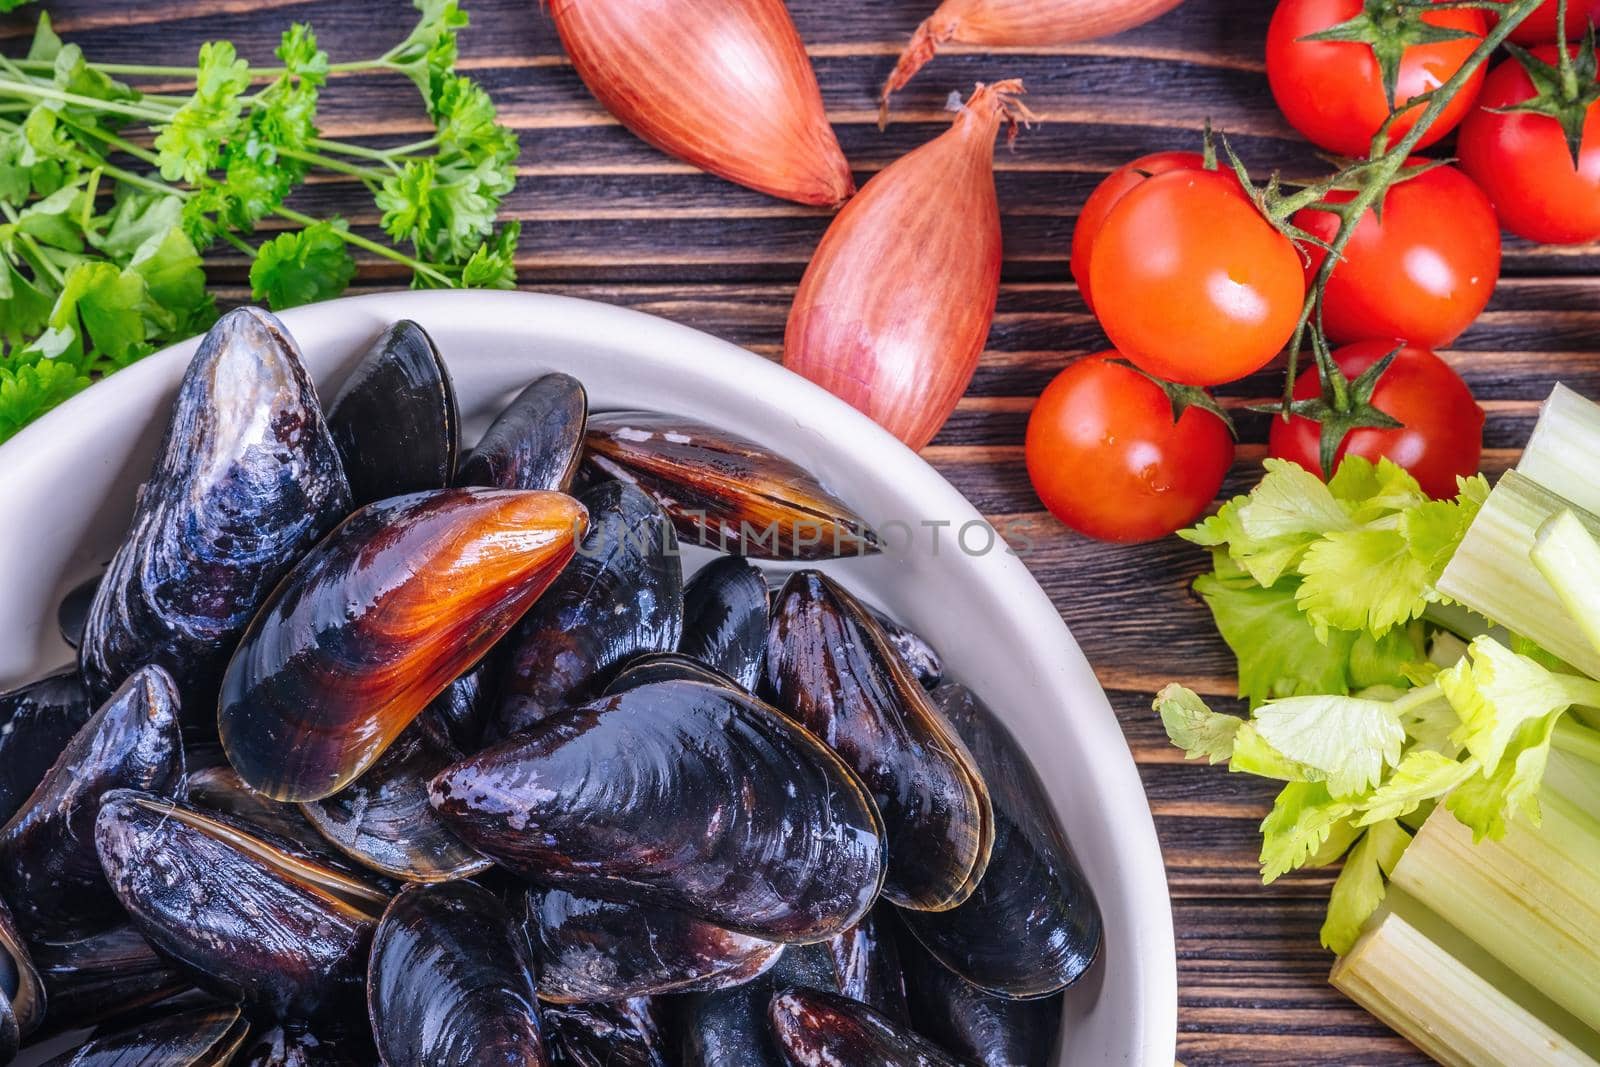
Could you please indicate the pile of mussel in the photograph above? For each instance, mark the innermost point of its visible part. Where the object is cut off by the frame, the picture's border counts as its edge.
(382, 751)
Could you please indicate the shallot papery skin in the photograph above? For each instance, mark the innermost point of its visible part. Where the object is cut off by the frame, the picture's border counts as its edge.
(1016, 23)
(725, 85)
(893, 311)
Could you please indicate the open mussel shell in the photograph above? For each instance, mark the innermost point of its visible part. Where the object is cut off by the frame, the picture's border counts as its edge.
(101, 977)
(623, 1033)
(294, 1045)
(681, 794)
(1032, 926)
(725, 491)
(204, 1037)
(813, 1027)
(450, 982)
(48, 869)
(375, 622)
(988, 1030)
(72, 614)
(36, 722)
(22, 993)
(594, 950)
(725, 619)
(536, 442)
(395, 420)
(246, 919)
(830, 668)
(247, 479)
(383, 819)
(621, 595)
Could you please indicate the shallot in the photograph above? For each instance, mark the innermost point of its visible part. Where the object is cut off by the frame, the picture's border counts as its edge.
(894, 309)
(1016, 23)
(722, 84)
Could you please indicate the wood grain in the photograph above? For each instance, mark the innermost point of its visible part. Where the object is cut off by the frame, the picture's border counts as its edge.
(608, 218)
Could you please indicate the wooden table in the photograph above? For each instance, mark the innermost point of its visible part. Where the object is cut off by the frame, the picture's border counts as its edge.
(608, 218)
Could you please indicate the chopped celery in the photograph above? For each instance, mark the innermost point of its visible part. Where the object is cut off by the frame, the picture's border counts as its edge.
(1569, 558)
(1564, 452)
(1492, 572)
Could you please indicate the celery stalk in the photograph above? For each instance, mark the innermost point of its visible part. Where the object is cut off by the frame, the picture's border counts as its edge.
(1564, 452)
(1456, 1006)
(1569, 558)
(1492, 571)
(1531, 900)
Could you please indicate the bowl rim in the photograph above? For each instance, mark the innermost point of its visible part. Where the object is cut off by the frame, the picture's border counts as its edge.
(1140, 875)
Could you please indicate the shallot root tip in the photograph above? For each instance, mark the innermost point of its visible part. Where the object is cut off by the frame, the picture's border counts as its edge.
(1004, 98)
(925, 43)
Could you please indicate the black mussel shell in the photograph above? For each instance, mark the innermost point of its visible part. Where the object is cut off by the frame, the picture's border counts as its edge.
(451, 983)
(621, 595)
(22, 993)
(866, 961)
(48, 869)
(728, 1027)
(204, 1037)
(1032, 927)
(725, 619)
(665, 667)
(681, 794)
(383, 819)
(376, 622)
(923, 659)
(725, 491)
(594, 950)
(458, 715)
(536, 442)
(813, 1027)
(988, 1030)
(395, 421)
(217, 788)
(246, 481)
(36, 722)
(245, 919)
(296, 1046)
(621, 1034)
(72, 614)
(830, 668)
(102, 977)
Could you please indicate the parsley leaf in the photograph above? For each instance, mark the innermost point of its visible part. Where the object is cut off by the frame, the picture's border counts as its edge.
(303, 266)
(30, 390)
(190, 143)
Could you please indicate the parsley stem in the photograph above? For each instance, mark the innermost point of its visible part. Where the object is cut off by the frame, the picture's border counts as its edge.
(238, 242)
(30, 87)
(358, 241)
(359, 151)
(366, 174)
(36, 254)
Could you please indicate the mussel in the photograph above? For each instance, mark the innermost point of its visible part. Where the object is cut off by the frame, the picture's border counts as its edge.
(459, 714)
(988, 1030)
(22, 994)
(395, 421)
(450, 982)
(621, 595)
(245, 919)
(830, 668)
(72, 614)
(48, 869)
(36, 722)
(383, 820)
(919, 655)
(204, 1037)
(814, 1027)
(217, 787)
(595, 950)
(725, 491)
(728, 1027)
(376, 622)
(1032, 927)
(536, 442)
(247, 479)
(103, 976)
(725, 610)
(665, 667)
(296, 1046)
(682, 794)
(623, 1033)
(866, 962)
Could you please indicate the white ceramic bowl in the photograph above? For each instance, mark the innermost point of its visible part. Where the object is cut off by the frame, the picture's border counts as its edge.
(67, 486)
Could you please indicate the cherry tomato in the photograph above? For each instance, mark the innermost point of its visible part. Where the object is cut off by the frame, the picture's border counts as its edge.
(1423, 273)
(1332, 91)
(1106, 196)
(1107, 459)
(1191, 283)
(1523, 163)
(1540, 27)
(1443, 432)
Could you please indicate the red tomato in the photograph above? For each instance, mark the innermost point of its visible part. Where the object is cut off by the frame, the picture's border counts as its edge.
(1332, 91)
(1523, 163)
(1191, 283)
(1107, 459)
(1540, 27)
(1106, 196)
(1421, 275)
(1443, 432)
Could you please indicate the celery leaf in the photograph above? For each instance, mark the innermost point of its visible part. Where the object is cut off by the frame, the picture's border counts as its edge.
(1298, 826)
(1195, 728)
(1360, 887)
(1346, 740)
